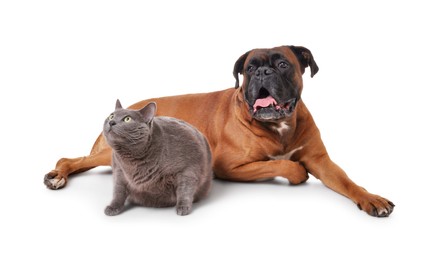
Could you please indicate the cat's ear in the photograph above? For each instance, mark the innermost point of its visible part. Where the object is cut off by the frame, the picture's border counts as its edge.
(148, 112)
(118, 104)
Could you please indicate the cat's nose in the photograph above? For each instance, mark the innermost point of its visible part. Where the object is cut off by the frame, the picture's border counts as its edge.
(111, 123)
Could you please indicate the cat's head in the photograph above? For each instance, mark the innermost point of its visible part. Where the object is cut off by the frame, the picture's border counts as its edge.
(128, 127)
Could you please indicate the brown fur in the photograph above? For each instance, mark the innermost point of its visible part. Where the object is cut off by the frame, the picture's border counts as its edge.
(242, 147)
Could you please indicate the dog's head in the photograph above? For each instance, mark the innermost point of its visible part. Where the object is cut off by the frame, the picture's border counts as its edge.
(272, 80)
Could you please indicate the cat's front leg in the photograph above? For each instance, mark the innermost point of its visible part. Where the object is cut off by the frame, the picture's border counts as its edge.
(120, 194)
(117, 205)
(186, 187)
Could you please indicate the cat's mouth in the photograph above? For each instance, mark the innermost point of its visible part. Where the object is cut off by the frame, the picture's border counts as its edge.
(108, 129)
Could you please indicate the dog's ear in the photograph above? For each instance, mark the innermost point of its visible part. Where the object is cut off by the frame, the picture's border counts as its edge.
(305, 56)
(238, 68)
(118, 104)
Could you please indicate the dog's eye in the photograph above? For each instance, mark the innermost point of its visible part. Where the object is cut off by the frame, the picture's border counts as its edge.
(110, 117)
(127, 119)
(283, 65)
(250, 68)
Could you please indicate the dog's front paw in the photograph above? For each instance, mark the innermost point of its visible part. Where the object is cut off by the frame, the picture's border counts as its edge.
(112, 211)
(54, 181)
(375, 205)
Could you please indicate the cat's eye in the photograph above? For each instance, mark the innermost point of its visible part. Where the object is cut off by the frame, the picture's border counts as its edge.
(127, 119)
(110, 117)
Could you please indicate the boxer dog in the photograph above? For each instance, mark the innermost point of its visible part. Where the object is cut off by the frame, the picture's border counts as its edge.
(259, 130)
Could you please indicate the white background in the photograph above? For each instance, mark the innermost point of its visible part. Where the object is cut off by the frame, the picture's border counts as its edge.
(64, 63)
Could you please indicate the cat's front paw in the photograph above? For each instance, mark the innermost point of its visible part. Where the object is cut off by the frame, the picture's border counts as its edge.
(111, 211)
(183, 210)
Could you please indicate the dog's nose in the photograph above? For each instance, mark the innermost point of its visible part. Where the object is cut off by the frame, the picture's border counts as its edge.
(263, 72)
(111, 123)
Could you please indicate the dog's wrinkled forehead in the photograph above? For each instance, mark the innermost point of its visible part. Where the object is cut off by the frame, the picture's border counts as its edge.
(267, 57)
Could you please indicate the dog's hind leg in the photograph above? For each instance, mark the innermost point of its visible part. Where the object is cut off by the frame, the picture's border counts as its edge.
(294, 172)
(99, 156)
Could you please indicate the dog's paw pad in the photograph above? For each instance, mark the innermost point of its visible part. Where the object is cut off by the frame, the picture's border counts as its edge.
(376, 206)
(383, 212)
(54, 183)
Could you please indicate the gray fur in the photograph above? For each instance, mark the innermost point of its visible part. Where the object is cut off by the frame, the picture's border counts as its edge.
(157, 161)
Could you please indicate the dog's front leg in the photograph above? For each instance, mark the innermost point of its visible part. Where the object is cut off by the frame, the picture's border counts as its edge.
(323, 168)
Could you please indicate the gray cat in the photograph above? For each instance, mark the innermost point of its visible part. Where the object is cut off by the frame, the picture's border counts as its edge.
(157, 161)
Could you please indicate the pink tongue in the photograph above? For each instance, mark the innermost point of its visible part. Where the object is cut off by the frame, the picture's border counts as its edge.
(264, 102)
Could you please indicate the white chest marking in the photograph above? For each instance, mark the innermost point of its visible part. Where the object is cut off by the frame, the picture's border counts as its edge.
(282, 127)
(285, 156)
